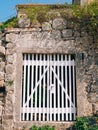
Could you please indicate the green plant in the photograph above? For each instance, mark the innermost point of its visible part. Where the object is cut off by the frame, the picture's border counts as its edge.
(86, 123)
(10, 82)
(46, 127)
(34, 127)
(13, 22)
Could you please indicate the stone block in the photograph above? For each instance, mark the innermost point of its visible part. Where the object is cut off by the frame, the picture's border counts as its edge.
(92, 97)
(67, 33)
(46, 26)
(96, 59)
(55, 35)
(10, 45)
(9, 77)
(7, 117)
(76, 33)
(2, 50)
(2, 66)
(0, 42)
(1, 83)
(9, 69)
(1, 75)
(10, 37)
(24, 22)
(59, 23)
(10, 58)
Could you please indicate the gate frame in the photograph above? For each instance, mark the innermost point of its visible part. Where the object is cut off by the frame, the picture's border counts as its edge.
(18, 79)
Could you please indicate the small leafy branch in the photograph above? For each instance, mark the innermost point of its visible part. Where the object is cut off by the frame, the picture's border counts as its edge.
(10, 82)
(86, 123)
(34, 127)
(10, 23)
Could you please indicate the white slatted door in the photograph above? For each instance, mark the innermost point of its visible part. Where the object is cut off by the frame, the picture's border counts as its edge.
(48, 88)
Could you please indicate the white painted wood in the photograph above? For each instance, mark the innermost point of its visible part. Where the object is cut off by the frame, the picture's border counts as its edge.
(40, 98)
(58, 89)
(48, 110)
(24, 87)
(44, 89)
(36, 87)
(48, 94)
(50, 90)
(51, 81)
(66, 87)
(32, 85)
(74, 113)
(28, 83)
(54, 89)
(62, 72)
(70, 87)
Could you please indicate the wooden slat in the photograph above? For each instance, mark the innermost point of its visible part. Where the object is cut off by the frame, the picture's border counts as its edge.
(32, 86)
(48, 94)
(40, 98)
(59, 110)
(62, 71)
(74, 93)
(24, 87)
(54, 88)
(44, 89)
(70, 87)
(36, 69)
(58, 89)
(66, 83)
(40, 62)
(50, 91)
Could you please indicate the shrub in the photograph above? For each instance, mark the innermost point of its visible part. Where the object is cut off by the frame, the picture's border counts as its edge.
(34, 127)
(86, 123)
(12, 22)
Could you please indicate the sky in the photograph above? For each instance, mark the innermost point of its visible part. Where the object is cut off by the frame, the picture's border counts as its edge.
(8, 10)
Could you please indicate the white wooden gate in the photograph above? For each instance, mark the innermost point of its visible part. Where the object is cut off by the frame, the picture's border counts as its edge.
(48, 87)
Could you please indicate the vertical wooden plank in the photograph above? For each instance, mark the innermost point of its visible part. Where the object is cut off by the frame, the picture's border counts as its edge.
(40, 89)
(62, 71)
(24, 87)
(70, 91)
(48, 88)
(28, 83)
(32, 86)
(54, 88)
(44, 88)
(66, 83)
(74, 96)
(36, 96)
(58, 88)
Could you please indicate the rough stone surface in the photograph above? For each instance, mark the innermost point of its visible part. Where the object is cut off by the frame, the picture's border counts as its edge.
(2, 50)
(58, 36)
(46, 26)
(9, 69)
(23, 20)
(59, 23)
(67, 33)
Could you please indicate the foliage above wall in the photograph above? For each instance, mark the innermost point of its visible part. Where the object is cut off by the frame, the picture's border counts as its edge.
(85, 16)
(13, 22)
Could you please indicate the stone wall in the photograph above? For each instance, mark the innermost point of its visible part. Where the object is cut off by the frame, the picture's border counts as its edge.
(2, 76)
(55, 36)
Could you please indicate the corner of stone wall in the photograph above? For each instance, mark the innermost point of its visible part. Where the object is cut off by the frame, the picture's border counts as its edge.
(2, 77)
(7, 117)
